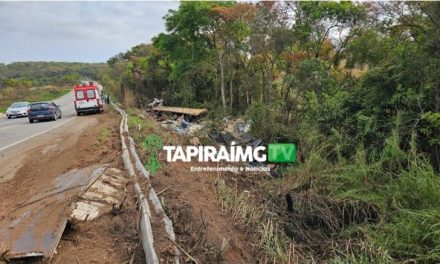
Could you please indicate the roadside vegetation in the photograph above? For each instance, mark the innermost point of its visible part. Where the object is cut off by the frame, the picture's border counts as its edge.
(354, 85)
(42, 81)
(103, 137)
(41, 73)
(29, 94)
(247, 211)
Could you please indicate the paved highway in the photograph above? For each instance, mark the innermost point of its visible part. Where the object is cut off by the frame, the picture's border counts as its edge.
(34, 194)
(19, 130)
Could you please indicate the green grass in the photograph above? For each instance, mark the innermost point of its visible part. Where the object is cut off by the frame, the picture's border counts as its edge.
(274, 246)
(35, 95)
(370, 208)
(104, 135)
(404, 188)
(360, 258)
(134, 122)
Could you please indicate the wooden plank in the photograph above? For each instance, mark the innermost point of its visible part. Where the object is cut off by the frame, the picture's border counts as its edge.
(181, 110)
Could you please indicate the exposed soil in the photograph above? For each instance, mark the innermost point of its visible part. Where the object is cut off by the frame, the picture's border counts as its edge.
(202, 229)
(68, 147)
(78, 144)
(106, 239)
(199, 222)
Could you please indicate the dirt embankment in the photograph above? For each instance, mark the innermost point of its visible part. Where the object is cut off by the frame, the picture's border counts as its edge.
(202, 229)
(94, 139)
(200, 224)
(68, 147)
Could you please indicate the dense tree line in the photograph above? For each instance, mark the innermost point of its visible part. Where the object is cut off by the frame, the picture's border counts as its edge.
(355, 85)
(359, 68)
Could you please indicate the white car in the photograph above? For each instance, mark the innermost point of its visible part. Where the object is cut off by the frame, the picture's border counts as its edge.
(18, 109)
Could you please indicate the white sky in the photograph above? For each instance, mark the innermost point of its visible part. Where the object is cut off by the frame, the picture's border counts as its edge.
(77, 31)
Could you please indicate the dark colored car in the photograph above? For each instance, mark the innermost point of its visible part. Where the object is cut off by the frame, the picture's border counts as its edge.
(44, 111)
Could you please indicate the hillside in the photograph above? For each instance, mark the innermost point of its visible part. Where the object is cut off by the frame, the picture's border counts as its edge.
(49, 73)
(353, 85)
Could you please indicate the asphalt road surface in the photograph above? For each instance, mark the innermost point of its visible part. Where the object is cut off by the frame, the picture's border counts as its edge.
(33, 158)
(18, 130)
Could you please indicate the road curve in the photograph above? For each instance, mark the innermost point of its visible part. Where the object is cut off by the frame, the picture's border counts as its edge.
(18, 130)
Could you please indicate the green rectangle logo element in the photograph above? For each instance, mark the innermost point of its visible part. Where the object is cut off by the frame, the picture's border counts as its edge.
(282, 152)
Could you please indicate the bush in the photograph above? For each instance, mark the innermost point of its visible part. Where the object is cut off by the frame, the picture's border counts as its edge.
(400, 185)
(266, 123)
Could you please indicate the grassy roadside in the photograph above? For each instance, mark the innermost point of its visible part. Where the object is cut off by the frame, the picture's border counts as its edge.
(33, 95)
(248, 212)
(237, 205)
(346, 211)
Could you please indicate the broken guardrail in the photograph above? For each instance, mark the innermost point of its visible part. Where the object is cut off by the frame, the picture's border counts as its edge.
(145, 229)
(145, 213)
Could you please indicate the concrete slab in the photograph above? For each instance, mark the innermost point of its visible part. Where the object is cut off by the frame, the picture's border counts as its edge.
(107, 190)
(37, 225)
(84, 211)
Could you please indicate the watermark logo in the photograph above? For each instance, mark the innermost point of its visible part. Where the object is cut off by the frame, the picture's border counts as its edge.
(274, 153)
(281, 153)
(152, 144)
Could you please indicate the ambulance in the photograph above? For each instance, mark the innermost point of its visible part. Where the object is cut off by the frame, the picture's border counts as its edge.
(88, 98)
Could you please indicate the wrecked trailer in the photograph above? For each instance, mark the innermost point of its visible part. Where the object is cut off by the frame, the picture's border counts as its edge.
(190, 114)
(179, 119)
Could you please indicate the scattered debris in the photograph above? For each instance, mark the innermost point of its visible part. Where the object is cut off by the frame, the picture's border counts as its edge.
(195, 141)
(179, 119)
(199, 224)
(169, 124)
(3, 256)
(181, 249)
(193, 129)
(156, 102)
(159, 193)
(37, 225)
(103, 195)
(237, 126)
(117, 208)
(238, 131)
(181, 126)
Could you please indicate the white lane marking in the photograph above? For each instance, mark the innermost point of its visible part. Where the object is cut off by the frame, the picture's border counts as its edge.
(27, 138)
(7, 127)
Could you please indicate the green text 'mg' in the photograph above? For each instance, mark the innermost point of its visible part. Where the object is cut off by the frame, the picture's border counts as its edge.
(281, 152)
